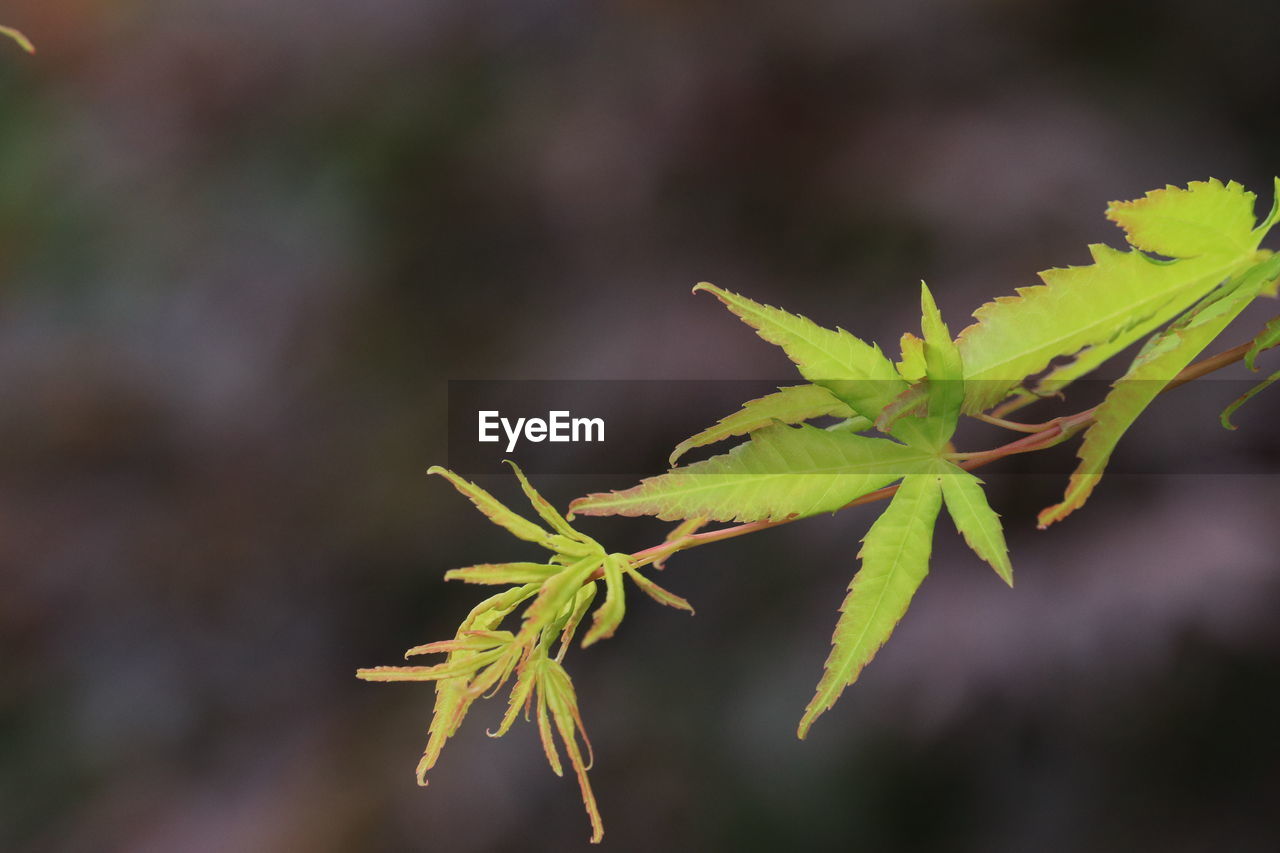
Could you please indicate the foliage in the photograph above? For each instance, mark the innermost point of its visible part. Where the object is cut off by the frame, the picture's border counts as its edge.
(555, 595)
(1191, 266)
(23, 41)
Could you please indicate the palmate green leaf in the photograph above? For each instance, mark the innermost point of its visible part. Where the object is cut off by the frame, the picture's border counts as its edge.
(791, 405)
(781, 472)
(935, 398)
(974, 518)
(1158, 363)
(854, 371)
(895, 559)
(17, 36)
(1098, 310)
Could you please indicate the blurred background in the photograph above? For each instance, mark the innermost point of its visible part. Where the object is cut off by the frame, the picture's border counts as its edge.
(244, 246)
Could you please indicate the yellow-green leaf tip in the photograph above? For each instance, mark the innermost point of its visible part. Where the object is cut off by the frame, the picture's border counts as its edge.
(17, 36)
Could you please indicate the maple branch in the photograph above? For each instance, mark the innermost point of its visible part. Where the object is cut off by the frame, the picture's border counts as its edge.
(1044, 436)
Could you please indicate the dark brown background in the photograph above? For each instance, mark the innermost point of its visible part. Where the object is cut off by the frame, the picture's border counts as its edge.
(245, 244)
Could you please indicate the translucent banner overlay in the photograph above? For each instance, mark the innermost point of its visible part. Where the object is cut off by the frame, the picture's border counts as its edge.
(630, 427)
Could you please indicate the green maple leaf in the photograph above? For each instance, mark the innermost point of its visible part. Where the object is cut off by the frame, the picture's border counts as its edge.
(974, 518)
(781, 472)
(895, 559)
(1094, 312)
(1159, 362)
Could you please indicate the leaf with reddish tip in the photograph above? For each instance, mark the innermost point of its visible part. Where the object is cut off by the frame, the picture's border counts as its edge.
(453, 695)
(1206, 218)
(682, 531)
(790, 405)
(544, 508)
(581, 604)
(521, 696)
(974, 518)
(519, 526)
(657, 593)
(913, 402)
(556, 593)
(473, 641)
(546, 735)
(503, 573)
(17, 36)
(895, 559)
(912, 366)
(563, 704)
(448, 669)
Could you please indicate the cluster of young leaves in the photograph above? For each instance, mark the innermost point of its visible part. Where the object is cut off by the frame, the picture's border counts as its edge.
(556, 595)
(1191, 266)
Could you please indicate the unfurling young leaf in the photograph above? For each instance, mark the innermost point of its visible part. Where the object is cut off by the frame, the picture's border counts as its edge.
(518, 525)
(895, 559)
(545, 510)
(558, 696)
(609, 614)
(503, 573)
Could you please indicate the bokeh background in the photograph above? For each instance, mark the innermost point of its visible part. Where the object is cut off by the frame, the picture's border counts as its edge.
(245, 244)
